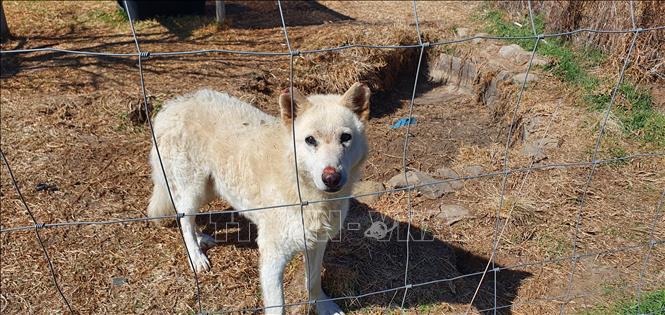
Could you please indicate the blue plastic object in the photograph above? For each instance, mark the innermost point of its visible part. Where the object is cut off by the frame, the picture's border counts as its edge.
(403, 122)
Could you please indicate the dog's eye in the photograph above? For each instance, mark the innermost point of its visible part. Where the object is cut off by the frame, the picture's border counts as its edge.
(345, 137)
(310, 140)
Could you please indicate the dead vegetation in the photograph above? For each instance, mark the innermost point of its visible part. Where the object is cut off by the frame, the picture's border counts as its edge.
(67, 124)
(563, 16)
(380, 69)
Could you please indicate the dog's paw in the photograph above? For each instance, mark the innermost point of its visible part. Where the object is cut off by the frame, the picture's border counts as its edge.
(200, 262)
(328, 308)
(205, 241)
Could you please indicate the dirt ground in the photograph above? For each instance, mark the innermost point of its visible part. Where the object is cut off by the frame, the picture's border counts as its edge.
(68, 134)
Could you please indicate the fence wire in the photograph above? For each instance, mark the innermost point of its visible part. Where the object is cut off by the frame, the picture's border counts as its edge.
(292, 54)
(322, 50)
(407, 130)
(37, 228)
(148, 115)
(578, 219)
(657, 217)
(506, 171)
(460, 277)
(542, 167)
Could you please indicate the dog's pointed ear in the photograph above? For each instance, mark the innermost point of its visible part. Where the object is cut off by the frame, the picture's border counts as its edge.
(356, 99)
(300, 104)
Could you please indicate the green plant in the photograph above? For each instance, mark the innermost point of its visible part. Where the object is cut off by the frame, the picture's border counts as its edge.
(569, 64)
(115, 18)
(617, 152)
(650, 303)
(426, 308)
(635, 110)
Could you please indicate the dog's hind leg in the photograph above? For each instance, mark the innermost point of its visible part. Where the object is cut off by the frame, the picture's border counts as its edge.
(206, 241)
(313, 280)
(160, 202)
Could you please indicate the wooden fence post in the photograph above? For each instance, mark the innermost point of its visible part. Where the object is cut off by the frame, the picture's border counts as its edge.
(220, 11)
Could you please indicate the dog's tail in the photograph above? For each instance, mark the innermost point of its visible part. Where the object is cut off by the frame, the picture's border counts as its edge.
(160, 203)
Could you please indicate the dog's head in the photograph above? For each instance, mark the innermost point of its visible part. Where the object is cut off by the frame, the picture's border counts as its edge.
(329, 134)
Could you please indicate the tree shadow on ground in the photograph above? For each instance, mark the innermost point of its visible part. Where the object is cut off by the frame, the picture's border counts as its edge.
(253, 15)
(265, 14)
(362, 259)
(13, 64)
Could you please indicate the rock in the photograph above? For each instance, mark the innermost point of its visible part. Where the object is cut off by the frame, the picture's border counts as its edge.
(473, 170)
(447, 173)
(451, 70)
(532, 127)
(453, 213)
(519, 56)
(536, 149)
(491, 93)
(519, 78)
(512, 51)
(522, 59)
(540, 61)
(462, 32)
(119, 281)
(478, 40)
(366, 187)
(431, 191)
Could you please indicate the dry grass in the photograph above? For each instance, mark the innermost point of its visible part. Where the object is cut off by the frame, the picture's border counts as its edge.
(561, 16)
(65, 123)
(378, 68)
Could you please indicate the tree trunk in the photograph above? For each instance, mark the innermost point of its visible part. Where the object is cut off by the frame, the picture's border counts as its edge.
(4, 29)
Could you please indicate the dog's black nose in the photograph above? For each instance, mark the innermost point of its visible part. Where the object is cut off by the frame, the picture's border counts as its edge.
(331, 177)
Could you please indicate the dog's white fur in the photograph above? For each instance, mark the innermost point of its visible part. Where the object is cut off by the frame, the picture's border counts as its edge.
(214, 145)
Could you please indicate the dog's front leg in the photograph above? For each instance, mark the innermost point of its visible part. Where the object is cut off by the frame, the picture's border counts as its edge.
(272, 262)
(313, 280)
(199, 261)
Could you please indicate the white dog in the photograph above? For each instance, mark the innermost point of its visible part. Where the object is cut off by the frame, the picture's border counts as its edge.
(214, 145)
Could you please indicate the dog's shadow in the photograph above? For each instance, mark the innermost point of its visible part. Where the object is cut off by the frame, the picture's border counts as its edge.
(370, 254)
(368, 259)
(229, 228)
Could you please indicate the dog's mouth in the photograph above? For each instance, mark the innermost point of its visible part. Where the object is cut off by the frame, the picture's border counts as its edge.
(333, 189)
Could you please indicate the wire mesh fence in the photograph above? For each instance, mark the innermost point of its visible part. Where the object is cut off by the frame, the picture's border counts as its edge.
(491, 269)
